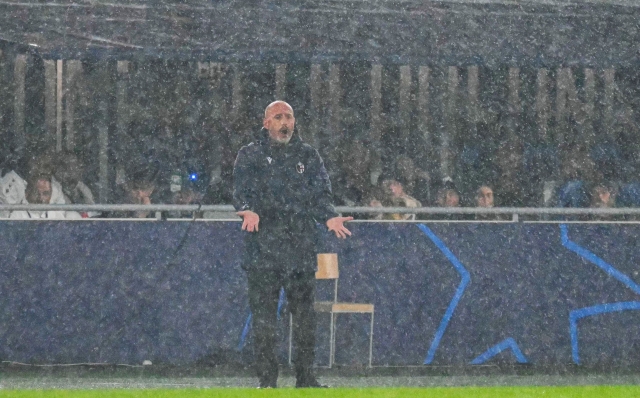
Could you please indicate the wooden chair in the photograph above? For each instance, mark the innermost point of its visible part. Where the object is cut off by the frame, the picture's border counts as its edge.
(328, 269)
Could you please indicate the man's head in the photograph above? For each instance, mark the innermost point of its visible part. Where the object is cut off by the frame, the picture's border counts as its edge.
(484, 196)
(448, 197)
(601, 196)
(393, 188)
(140, 192)
(68, 169)
(39, 191)
(279, 121)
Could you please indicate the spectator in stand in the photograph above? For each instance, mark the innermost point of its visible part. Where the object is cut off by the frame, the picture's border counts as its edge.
(629, 196)
(447, 196)
(12, 191)
(137, 190)
(602, 197)
(577, 170)
(573, 194)
(68, 173)
(484, 199)
(397, 197)
(415, 181)
(509, 176)
(40, 190)
(376, 203)
(150, 144)
(353, 185)
(186, 196)
(139, 193)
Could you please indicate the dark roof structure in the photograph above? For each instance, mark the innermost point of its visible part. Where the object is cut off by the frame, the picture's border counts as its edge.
(409, 32)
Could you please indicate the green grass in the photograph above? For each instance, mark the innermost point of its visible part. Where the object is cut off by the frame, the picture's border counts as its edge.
(438, 392)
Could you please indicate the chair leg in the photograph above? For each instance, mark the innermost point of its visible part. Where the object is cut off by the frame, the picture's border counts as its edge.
(290, 337)
(371, 342)
(332, 341)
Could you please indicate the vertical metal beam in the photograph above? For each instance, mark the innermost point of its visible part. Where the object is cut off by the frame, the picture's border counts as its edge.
(50, 99)
(4, 95)
(375, 130)
(609, 98)
(623, 113)
(588, 107)
(237, 93)
(473, 93)
(122, 122)
(316, 99)
(20, 70)
(404, 99)
(424, 116)
(281, 81)
(561, 104)
(74, 68)
(59, 98)
(451, 128)
(542, 104)
(376, 102)
(570, 105)
(515, 105)
(218, 108)
(335, 96)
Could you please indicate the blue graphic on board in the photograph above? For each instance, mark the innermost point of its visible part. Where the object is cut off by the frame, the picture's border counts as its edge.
(578, 314)
(465, 279)
(592, 258)
(498, 348)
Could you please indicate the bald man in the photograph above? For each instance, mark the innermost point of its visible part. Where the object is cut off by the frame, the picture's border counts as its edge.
(281, 190)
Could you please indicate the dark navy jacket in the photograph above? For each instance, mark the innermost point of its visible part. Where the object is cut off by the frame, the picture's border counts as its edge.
(289, 188)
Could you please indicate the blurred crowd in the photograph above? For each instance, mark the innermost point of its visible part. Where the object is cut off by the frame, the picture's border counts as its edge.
(157, 164)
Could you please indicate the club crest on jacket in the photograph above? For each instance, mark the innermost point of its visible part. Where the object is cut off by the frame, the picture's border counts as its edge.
(300, 168)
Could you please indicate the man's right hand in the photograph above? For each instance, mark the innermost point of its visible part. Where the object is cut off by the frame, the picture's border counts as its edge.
(250, 220)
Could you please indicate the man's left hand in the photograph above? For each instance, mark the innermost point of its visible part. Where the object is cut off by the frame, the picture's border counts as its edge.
(336, 224)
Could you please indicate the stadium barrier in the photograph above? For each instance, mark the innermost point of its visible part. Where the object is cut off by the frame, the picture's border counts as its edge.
(455, 294)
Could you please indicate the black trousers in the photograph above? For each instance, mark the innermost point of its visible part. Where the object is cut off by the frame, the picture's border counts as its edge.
(264, 292)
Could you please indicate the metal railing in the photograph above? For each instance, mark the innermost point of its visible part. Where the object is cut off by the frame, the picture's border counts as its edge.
(341, 209)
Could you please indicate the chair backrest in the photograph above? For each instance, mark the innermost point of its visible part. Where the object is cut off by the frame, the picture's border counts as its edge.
(327, 266)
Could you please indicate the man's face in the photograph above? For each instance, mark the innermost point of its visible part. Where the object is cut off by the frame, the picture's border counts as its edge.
(279, 121)
(452, 199)
(485, 197)
(42, 192)
(142, 196)
(396, 189)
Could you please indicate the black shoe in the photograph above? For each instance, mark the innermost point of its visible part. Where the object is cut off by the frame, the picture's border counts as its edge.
(309, 382)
